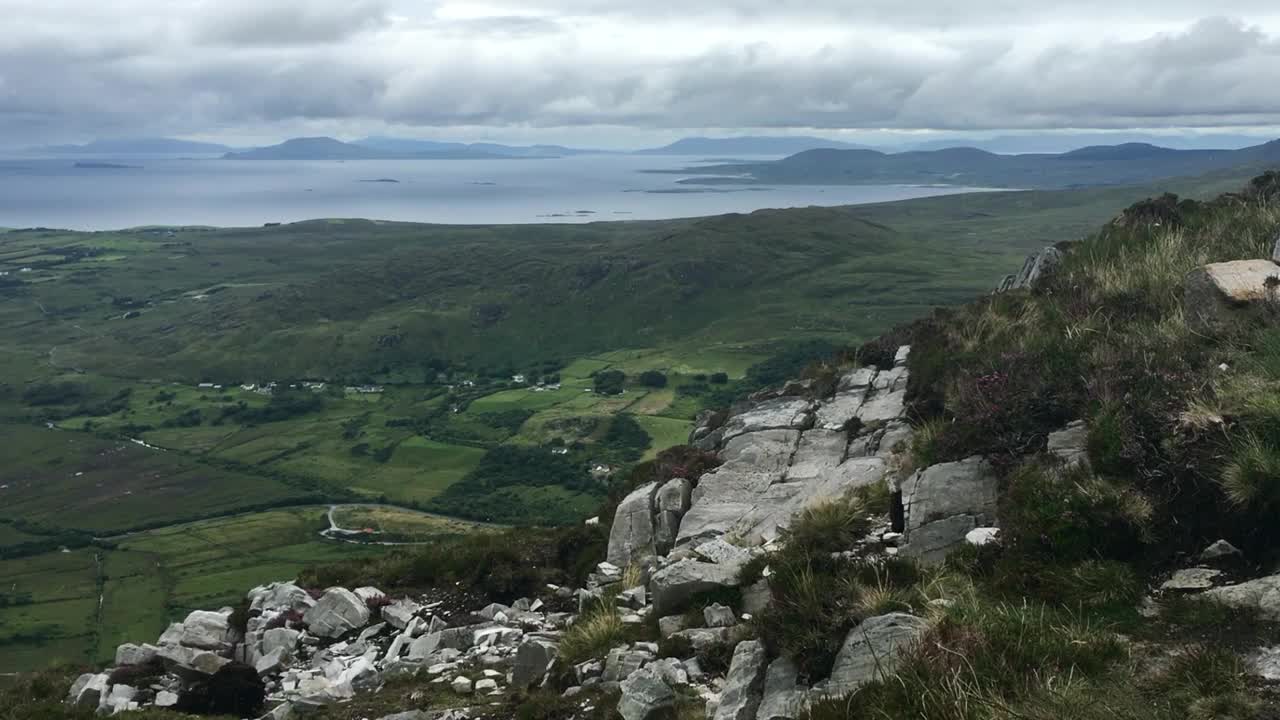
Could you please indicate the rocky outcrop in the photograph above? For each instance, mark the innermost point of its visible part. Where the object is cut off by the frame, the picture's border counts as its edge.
(533, 660)
(943, 503)
(1070, 445)
(1217, 296)
(871, 652)
(671, 502)
(1037, 268)
(676, 583)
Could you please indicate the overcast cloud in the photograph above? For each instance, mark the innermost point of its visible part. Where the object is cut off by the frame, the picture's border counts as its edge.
(606, 70)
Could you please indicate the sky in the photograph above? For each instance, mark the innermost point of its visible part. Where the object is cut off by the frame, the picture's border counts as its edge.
(609, 73)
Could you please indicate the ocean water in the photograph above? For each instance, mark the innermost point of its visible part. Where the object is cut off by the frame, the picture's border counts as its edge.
(43, 192)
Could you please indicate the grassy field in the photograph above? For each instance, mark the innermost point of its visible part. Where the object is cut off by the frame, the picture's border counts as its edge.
(151, 578)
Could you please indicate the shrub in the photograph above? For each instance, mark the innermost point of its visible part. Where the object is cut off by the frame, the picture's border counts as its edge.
(235, 689)
(719, 378)
(596, 631)
(1252, 478)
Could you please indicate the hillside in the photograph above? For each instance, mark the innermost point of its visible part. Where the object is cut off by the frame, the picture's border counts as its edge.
(1049, 502)
(1092, 166)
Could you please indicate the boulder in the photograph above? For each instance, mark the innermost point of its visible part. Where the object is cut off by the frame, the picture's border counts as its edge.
(88, 690)
(621, 663)
(645, 696)
(280, 597)
(190, 662)
(166, 699)
(1266, 663)
(271, 662)
(883, 405)
(461, 685)
(533, 659)
(673, 585)
(670, 625)
(871, 651)
(282, 639)
(703, 638)
(129, 654)
(1220, 550)
(631, 537)
(671, 502)
(1262, 595)
(408, 715)
(744, 684)
(1218, 295)
(818, 453)
(487, 685)
(205, 630)
(784, 698)
(719, 616)
(338, 612)
(400, 613)
(119, 699)
(943, 503)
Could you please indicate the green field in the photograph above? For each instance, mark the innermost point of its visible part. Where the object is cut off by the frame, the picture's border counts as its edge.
(149, 579)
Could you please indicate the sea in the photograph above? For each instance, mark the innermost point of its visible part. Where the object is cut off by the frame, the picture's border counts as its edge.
(100, 193)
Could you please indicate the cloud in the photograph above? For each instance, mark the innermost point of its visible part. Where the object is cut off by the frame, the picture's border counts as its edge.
(210, 67)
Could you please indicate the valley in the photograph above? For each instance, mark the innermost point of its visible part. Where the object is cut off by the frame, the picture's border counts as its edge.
(179, 406)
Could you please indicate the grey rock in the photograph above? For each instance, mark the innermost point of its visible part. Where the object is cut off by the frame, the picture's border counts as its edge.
(645, 697)
(882, 405)
(631, 536)
(671, 503)
(670, 625)
(338, 612)
(270, 663)
(533, 659)
(836, 414)
(410, 715)
(1216, 296)
(586, 670)
(621, 663)
(88, 690)
(205, 630)
(703, 638)
(942, 503)
(871, 651)
(1037, 269)
(279, 597)
(129, 654)
(487, 685)
(1191, 579)
(673, 585)
(1262, 594)
(1220, 550)
(860, 378)
(818, 453)
(1266, 663)
(282, 639)
(633, 597)
(785, 413)
(744, 684)
(719, 616)
(166, 699)
(461, 685)
(1071, 444)
(671, 671)
(400, 613)
(784, 697)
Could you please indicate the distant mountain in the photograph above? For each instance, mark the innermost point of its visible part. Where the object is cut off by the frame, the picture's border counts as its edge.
(413, 147)
(785, 145)
(325, 148)
(139, 146)
(1126, 164)
(385, 148)
(1061, 143)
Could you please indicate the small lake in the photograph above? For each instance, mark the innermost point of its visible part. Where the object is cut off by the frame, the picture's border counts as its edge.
(114, 193)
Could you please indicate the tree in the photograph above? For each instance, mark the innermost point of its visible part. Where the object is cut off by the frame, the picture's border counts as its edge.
(610, 382)
(653, 379)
